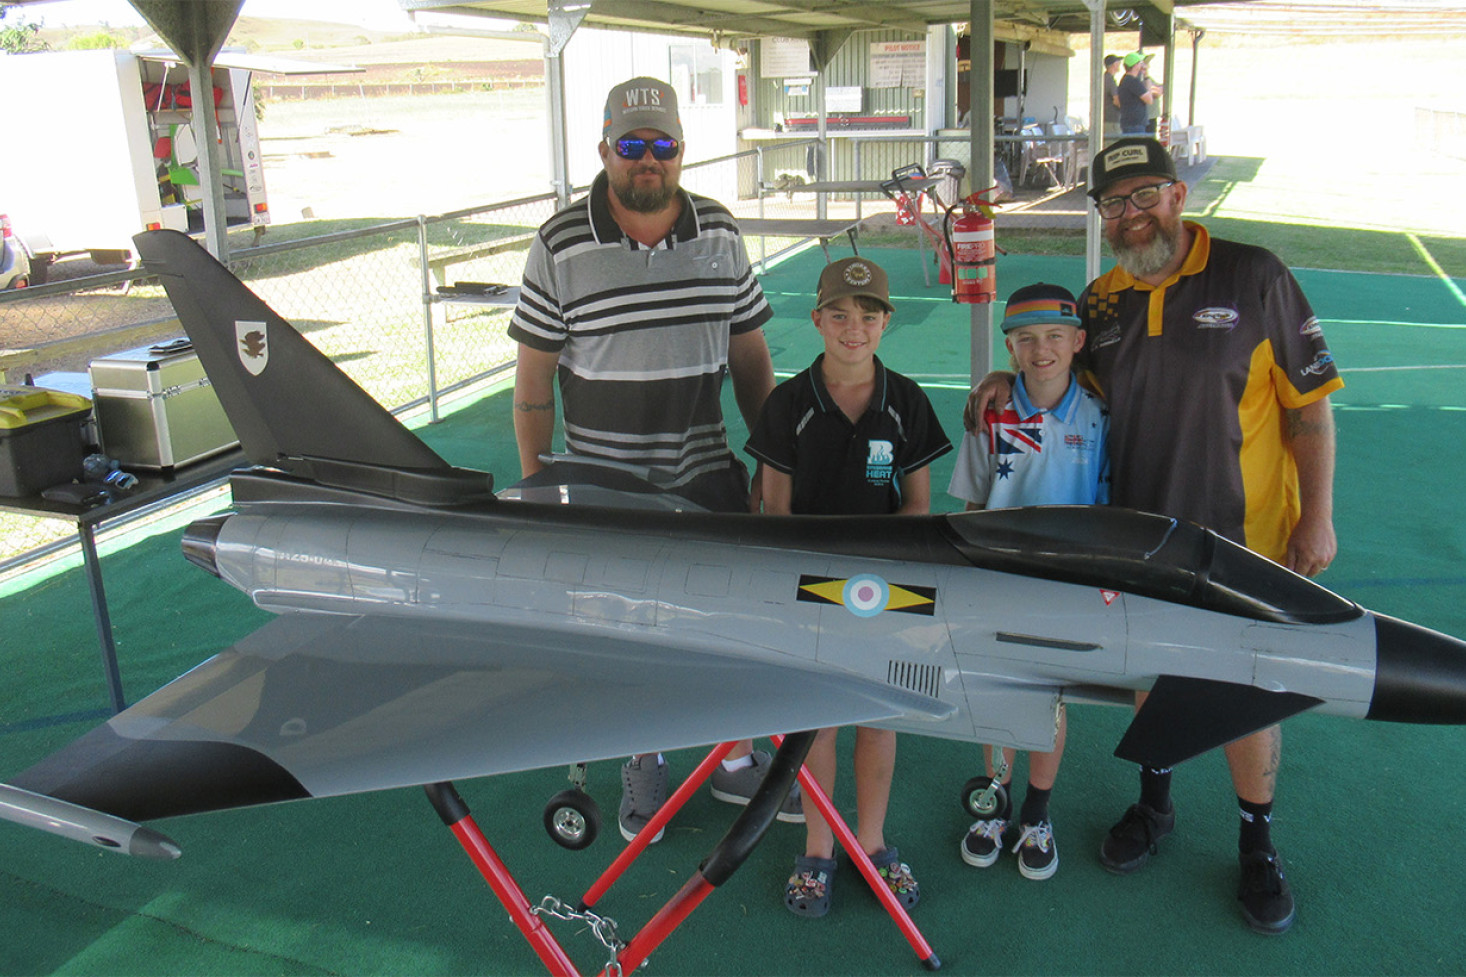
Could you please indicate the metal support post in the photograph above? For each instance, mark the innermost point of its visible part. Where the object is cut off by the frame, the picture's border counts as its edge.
(980, 111)
(427, 317)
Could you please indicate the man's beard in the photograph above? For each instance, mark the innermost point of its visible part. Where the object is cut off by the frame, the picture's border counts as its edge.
(643, 199)
(1150, 259)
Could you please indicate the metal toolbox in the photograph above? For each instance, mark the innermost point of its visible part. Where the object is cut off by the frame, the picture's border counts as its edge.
(156, 409)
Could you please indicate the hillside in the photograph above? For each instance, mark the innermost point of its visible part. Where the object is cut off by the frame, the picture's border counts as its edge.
(317, 40)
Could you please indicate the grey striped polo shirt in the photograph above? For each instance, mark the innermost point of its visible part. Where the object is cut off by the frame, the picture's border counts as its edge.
(642, 332)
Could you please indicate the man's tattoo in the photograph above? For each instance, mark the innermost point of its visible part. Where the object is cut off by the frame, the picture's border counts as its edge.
(1298, 427)
(1274, 755)
(525, 406)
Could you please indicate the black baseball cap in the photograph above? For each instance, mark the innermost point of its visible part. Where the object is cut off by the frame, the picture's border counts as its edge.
(1127, 157)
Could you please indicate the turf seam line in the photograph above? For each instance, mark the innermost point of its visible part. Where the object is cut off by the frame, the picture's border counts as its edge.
(62, 719)
(184, 930)
(1429, 259)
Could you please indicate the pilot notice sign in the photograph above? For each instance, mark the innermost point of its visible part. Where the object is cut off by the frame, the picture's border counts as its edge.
(898, 64)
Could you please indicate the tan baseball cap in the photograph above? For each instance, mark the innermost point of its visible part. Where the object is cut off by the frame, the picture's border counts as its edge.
(851, 278)
(641, 103)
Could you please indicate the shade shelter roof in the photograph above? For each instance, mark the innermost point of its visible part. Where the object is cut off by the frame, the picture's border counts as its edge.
(731, 20)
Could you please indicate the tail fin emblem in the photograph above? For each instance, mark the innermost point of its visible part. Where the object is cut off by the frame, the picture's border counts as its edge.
(253, 345)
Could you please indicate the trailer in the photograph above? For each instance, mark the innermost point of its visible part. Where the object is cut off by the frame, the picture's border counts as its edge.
(106, 149)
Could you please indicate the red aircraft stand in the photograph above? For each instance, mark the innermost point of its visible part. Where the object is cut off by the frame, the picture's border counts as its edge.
(725, 858)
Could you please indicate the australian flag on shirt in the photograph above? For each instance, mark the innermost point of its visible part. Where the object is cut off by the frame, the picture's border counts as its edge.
(1011, 433)
(1028, 456)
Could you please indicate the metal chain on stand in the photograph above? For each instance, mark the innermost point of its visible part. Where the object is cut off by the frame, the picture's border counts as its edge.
(602, 927)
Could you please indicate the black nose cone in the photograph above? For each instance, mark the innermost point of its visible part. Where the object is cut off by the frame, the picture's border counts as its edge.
(1420, 674)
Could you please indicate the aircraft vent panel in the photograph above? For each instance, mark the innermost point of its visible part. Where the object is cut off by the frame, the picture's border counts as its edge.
(926, 679)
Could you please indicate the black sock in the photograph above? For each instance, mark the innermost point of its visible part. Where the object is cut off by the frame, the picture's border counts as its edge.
(1256, 827)
(1035, 805)
(1155, 789)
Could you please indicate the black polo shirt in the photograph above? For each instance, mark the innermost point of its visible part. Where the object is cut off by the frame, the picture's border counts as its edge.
(840, 468)
(1198, 373)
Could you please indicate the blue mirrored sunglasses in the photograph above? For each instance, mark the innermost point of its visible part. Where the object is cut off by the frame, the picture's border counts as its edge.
(633, 148)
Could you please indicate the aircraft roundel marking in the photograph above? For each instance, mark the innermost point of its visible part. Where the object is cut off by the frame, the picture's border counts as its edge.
(866, 595)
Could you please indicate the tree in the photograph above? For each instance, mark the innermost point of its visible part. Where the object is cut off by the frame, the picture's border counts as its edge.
(93, 42)
(19, 38)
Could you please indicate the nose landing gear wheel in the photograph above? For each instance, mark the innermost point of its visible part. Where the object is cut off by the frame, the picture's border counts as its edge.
(983, 798)
(572, 819)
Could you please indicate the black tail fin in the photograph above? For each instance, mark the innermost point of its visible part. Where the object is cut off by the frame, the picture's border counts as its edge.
(291, 407)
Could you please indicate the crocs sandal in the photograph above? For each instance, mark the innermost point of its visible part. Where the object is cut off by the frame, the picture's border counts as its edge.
(897, 875)
(807, 892)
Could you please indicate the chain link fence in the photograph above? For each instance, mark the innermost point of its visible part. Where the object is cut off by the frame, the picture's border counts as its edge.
(359, 296)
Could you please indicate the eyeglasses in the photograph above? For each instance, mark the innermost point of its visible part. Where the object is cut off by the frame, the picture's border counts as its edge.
(633, 148)
(1144, 199)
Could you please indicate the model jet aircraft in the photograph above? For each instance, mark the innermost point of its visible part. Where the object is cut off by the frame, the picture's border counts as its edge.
(429, 631)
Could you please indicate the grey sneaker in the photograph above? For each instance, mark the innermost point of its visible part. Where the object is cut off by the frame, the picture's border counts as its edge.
(1038, 853)
(984, 842)
(643, 792)
(738, 787)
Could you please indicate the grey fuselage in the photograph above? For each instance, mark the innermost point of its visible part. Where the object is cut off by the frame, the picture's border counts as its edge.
(899, 601)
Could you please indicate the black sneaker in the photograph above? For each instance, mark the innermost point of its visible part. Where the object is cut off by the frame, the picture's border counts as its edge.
(1038, 853)
(1132, 840)
(1267, 899)
(984, 842)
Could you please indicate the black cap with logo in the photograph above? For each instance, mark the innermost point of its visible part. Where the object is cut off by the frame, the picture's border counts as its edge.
(1127, 157)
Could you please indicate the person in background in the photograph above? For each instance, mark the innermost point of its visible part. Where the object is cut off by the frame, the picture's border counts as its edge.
(1113, 67)
(1157, 101)
(1135, 94)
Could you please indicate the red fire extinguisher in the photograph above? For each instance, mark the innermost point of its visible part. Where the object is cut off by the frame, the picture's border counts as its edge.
(973, 250)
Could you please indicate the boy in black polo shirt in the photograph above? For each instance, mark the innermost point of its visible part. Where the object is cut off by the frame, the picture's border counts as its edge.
(848, 437)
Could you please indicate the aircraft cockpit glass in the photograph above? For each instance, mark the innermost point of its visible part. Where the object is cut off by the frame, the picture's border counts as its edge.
(1144, 554)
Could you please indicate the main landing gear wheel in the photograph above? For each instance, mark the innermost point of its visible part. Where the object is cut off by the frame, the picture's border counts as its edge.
(572, 819)
(982, 798)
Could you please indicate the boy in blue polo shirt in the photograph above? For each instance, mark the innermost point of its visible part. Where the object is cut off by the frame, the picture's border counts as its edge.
(848, 437)
(1047, 446)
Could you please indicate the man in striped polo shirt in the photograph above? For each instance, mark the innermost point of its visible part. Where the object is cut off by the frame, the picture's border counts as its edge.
(639, 298)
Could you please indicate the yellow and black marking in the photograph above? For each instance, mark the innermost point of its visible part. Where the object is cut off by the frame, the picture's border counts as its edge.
(1103, 309)
(836, 590)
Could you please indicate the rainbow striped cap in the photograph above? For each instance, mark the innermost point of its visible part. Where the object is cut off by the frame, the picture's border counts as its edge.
(1040, 304)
